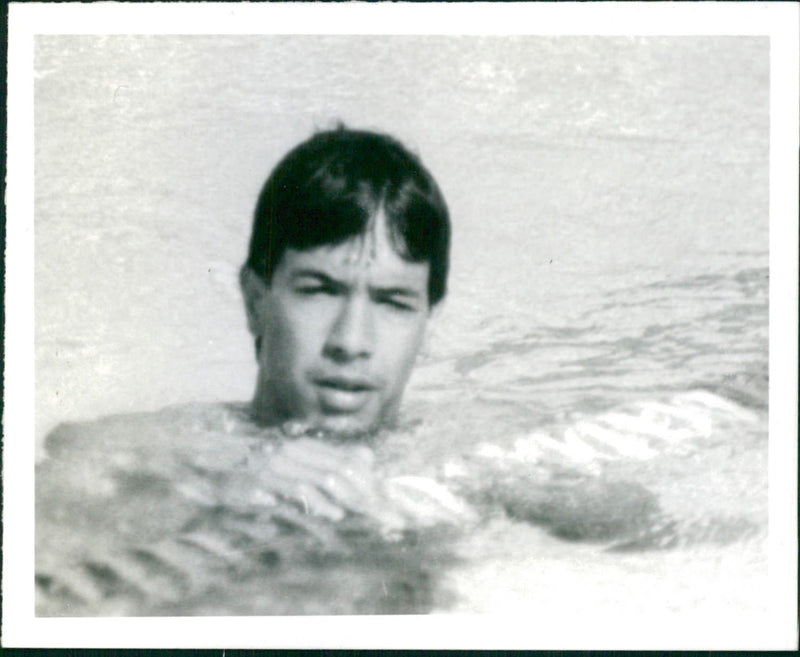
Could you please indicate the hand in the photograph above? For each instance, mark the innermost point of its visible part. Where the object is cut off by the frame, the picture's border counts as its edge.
(327, 480)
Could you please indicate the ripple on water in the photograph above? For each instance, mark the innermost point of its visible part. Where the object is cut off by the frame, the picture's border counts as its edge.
(186, 512)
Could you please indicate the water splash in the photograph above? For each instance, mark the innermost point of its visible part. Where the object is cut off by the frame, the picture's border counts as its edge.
(197, 510)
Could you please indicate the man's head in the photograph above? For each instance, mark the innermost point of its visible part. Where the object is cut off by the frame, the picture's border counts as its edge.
(348, 257)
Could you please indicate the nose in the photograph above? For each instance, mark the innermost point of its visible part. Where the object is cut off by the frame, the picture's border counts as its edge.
(352, 335)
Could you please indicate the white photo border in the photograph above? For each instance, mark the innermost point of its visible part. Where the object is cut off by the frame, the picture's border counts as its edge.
(779, 21)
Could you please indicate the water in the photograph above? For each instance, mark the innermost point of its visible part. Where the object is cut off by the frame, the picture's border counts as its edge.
(609, 198)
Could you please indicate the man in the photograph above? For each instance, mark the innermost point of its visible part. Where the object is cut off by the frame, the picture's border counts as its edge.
(148, 512)
(348, 261)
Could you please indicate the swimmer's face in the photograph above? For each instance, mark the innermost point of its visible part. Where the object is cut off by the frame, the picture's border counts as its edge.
(340, 328)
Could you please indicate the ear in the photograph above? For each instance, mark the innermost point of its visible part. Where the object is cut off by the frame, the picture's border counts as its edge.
(254, 290)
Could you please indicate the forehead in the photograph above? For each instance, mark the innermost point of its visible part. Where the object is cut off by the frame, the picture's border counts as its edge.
(369, 255)
(355, 260)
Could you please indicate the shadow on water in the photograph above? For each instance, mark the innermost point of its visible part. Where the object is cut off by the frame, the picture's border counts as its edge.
(161, 514)
(225, 563)
(618, 511)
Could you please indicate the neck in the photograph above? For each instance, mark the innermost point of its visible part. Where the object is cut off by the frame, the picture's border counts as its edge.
(263, 408)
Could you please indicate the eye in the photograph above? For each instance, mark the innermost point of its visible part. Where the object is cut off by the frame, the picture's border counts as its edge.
(312, 289)
(397, 304)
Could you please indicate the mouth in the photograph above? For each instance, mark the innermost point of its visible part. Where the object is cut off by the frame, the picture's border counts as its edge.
(346, 384)
(339, 394)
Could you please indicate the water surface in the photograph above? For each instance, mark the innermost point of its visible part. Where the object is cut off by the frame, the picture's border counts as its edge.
(610, 207)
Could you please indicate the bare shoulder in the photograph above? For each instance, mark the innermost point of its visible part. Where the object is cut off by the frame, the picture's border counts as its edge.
(171, 426)
(127, 456)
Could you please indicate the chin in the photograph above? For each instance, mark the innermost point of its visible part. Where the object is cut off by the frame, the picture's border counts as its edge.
(348, 426)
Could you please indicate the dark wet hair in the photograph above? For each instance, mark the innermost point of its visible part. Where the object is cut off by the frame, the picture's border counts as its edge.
(328, 190)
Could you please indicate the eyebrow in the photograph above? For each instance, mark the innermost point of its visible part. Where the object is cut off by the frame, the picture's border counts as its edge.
(322, 277)
(316, 274)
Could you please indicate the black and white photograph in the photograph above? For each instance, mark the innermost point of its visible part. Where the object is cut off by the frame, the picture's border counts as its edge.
(361, 325)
